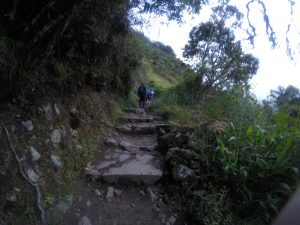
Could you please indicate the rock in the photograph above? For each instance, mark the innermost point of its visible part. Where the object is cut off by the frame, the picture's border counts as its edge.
(133, 205)
(141, 168)
(32, 175)
(56, 161)
(128, 147)
(88, 203)
(28, 125)
(97, 192)
(48, 110)
(56, 136)
(35, 156)
(11, 199)
(117, 192)
(171, 220)
(161, 131)
(17, 189)
(183, 153)
(110, 193)
(181, 140)
(152, 195)
(110, 141)
(84, 221)
(181, 172)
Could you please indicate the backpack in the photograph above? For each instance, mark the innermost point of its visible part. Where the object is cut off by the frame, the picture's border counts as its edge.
(142, 91)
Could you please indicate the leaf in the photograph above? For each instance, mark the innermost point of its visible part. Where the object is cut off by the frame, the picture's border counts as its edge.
(282, 154)
(233, 138)
(294, 170)
(286, 187)
(249, 133)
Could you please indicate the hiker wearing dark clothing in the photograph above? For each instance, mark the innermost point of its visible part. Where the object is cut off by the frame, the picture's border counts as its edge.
(142, 93)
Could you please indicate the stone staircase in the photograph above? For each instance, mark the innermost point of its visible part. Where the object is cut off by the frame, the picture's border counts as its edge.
(129, 154)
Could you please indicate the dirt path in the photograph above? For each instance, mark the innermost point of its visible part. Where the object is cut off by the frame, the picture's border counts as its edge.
(130, 170)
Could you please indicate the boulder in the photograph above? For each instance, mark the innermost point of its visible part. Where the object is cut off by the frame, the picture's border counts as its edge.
(181, 172)
(183, 153)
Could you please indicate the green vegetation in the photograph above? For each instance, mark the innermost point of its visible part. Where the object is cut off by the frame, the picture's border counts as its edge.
(247, 150)
(158, 66)
(249, 162)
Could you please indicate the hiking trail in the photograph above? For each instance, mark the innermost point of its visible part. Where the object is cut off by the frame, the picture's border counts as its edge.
(130, 169)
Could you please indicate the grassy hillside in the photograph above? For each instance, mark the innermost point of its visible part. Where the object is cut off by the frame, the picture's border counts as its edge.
(158, 66)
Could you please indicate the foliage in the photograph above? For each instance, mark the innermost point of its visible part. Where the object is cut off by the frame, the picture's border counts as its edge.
(283, 96)
(217, 58)
(64, 46)
(173, 9)
(255, 160)
(156, 62)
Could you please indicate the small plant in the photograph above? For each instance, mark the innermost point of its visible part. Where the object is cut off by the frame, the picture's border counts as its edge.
(48, 200)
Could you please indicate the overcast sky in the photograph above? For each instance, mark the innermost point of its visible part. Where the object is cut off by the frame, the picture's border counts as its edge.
(275, 67)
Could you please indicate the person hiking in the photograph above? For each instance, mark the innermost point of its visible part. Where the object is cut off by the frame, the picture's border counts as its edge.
(142, 93)
(149, 94)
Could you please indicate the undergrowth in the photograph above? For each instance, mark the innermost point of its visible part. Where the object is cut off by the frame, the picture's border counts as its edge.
(250, 168)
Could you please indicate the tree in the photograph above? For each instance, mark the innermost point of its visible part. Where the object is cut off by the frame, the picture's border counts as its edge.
(173, 9)
(282, 96)
(217, 58)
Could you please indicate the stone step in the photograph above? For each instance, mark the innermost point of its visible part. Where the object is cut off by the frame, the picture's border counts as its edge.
(141, 129)
(136, 119)
(127, 146)
(136, 111)
(124, 167)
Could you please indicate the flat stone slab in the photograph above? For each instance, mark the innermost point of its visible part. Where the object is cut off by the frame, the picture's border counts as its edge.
(127, 167)
(142, 168)
(135, 110)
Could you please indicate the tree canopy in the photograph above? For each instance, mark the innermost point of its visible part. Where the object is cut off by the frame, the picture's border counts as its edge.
(282, 96)
(217, 58)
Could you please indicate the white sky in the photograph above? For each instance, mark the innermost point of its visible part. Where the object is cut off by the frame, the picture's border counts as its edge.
(275, 67)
